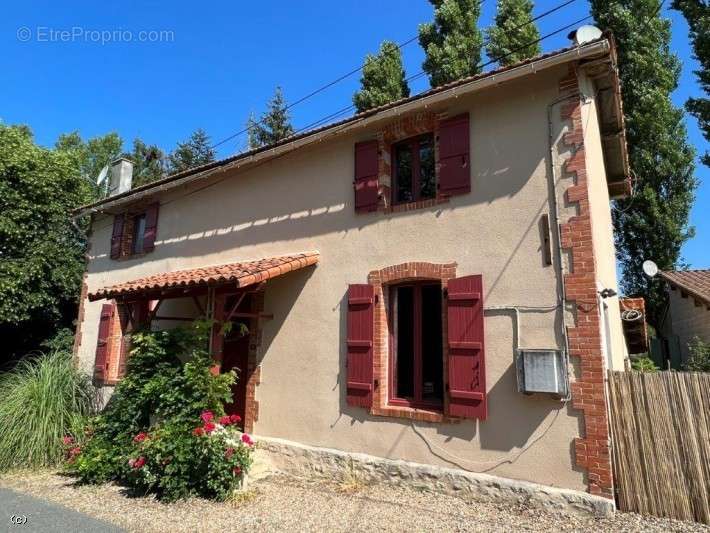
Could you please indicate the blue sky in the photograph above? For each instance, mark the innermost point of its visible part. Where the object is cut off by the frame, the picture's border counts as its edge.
(221, 60)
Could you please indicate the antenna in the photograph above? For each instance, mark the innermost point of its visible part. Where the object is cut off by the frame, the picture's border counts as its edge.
(650, 268)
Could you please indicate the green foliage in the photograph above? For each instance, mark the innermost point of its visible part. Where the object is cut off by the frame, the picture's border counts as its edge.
(698, 356)
(164, 397)
(148, 162)
(654, 223)
(41, 250)
(453, 42)
(92, 155)
(42, 399)
(697, 13)
(509, 39)
(273, 126)
(383, 78)
(192, 153)
(644, 364)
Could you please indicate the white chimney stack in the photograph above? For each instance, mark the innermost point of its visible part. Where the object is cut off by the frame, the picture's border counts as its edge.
(121, 176)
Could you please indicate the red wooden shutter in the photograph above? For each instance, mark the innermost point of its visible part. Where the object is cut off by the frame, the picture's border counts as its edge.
(151, 227)
(466, 372)
(454, 159)
(102, 343)
(117, 236)
(361, 300)
(366, 176)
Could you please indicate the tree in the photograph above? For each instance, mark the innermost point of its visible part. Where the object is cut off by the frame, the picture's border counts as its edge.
(41, 249)
(697, 13)
(273, 126)
(92, 155)
(148, 162)
(512, 38)
(453, 42)
(383, 78)
(653, 224)
(192, 153)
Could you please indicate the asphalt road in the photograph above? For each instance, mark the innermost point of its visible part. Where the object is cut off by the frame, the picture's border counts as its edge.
(26, 513)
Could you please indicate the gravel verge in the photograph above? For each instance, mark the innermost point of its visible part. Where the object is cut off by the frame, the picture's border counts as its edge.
(281, 503)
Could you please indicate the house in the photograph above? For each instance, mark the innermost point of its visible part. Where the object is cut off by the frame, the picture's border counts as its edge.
(688, 313)
(430, 281)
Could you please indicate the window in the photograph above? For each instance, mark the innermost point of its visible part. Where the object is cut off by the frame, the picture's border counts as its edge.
(414, 169)
(416, 364)
(138, 232)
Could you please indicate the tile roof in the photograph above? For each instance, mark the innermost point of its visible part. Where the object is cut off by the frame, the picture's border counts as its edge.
(240, 274)
(695, 282)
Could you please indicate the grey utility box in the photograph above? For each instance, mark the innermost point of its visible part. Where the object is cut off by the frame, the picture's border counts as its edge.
(543, 371)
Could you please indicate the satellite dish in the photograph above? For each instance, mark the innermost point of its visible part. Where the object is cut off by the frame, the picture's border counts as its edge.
(585, 34)
(650, 268)
(102, 175)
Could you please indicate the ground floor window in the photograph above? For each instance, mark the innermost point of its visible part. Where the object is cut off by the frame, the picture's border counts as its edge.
(416, 363)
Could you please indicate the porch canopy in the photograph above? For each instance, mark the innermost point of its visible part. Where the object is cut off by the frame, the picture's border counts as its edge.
(235, 275)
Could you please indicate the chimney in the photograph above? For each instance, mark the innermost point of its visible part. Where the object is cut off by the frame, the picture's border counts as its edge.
(121, 176)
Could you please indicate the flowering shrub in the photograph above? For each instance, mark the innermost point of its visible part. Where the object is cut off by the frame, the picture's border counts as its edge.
(164, 430)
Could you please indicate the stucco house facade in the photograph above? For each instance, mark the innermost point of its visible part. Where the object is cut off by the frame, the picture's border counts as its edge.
(393, 268)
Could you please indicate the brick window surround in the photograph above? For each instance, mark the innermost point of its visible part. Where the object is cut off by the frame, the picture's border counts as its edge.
(412, 126)
(381, 280)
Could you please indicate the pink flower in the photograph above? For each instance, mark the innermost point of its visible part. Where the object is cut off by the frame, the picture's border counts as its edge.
(75, 451)
(140, 437)
(235, 419)
(246, 439)
(138, 463)
(225, 420)
(209, 427)
(67, 440)
(236, 470)
(198, 432)
(207, 416)
(229, 452)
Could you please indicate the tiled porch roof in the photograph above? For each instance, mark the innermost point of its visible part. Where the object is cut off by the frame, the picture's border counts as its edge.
(240, 275)
(695, 282)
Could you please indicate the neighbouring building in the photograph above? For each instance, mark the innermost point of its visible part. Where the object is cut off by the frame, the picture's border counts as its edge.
(432, 280)
(688, 313)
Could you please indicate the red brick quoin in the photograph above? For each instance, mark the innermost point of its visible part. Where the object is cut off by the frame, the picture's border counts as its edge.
(585, 342)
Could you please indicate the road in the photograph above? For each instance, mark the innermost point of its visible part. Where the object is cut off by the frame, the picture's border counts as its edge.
(25, 513)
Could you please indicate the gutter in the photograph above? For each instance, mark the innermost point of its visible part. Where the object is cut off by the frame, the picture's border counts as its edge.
(596, 48)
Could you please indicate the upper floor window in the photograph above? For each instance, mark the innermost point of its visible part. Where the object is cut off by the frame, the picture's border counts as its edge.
(134, 233)
(414, 169)
(138, 233)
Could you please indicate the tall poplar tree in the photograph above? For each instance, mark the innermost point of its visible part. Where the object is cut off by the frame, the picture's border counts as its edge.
(697, 13)
(653, 224)
(383, 78)
(273, 126)
(452, 42)
(512, 38)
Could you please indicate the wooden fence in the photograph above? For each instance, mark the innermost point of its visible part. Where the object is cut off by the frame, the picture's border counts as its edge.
(660, 426)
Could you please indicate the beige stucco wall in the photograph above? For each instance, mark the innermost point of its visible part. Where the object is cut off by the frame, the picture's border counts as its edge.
(602, 230)
(304, 201)
(688, 320)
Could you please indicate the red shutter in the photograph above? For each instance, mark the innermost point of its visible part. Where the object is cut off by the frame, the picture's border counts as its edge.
(102, 343)
(151, 227)
(361, 300)
(467, 372)
(454, 159)
(117, 236)
(366, 176)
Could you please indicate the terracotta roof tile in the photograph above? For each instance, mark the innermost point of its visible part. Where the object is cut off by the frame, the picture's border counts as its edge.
(695, 282)
(240, 274)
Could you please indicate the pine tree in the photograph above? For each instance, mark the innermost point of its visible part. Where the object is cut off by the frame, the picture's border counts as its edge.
(452, 42)
(653, 224)
(512, 38)
(148, 162)
(383, 78)
(192, 153)
(697, 13)
(273, 126)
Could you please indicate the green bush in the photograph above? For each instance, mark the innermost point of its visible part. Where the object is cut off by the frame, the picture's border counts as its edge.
(698, 356)
(147, 437)
(42, 399)
(644, 364)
